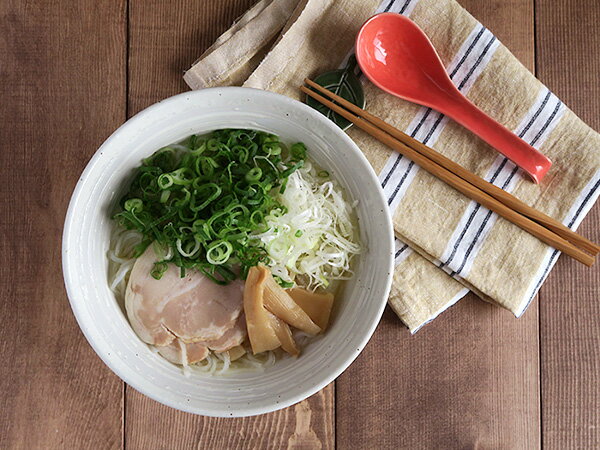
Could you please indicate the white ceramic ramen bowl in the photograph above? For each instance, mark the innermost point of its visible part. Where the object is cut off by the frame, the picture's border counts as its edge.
(86, 241)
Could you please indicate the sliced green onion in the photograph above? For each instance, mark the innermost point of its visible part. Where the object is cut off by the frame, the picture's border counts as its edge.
(192, 141)
(298, 151)
(189, 249)
(271, 148)
(256, 218)
(159, 269)
(254, 174)
(164, 196)
(218, 252)
(182, 177)
(134, 205)
(199, 150)
(282, 283)
(181, 202)
(204, 194)
(201, 200)
(213, 144)
(205, 166)
(286, 173)
(241, 153)
(165, 181)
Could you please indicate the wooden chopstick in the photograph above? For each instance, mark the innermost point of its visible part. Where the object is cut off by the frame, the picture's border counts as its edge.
(544, 234)
(499, 194)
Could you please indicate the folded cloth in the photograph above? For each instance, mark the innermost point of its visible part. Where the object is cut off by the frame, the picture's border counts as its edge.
(446, 244)
(233, 56)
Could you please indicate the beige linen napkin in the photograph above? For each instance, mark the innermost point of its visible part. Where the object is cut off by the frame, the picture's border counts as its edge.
(446, 243)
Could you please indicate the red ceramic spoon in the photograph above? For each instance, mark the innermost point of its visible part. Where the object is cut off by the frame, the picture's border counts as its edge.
(395, 54)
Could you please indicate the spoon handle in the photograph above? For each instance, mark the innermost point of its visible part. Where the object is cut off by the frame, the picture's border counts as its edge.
(501, 138)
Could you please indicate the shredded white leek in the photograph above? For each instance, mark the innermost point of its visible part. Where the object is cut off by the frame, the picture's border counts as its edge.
(317, 238)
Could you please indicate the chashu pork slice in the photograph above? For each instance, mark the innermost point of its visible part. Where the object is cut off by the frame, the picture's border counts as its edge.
(193, 308)
(197, 351)
(231, 338)
(173, 352)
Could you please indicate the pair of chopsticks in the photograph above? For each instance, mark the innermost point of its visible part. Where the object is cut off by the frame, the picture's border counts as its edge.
(543, 227)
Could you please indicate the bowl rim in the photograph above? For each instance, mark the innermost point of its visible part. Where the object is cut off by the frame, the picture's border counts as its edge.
(68, 263)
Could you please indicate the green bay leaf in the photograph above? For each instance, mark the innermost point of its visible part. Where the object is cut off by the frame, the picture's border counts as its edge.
(344, 83)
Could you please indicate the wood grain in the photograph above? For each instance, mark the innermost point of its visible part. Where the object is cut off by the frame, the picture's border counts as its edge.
(58, 61)
(470, 379)
(306, 425)
(467, 380)
(166, 38)
(568, 62)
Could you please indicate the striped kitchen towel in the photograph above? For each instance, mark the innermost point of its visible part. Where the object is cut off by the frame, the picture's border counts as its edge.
(446, 244)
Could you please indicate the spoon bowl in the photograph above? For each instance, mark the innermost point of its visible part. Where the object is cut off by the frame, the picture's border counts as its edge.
(398, 57)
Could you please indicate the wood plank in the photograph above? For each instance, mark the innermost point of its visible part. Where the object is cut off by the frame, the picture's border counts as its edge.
(470, 379)
(467, 380)
(568, 62)
(165, 39)
(59, 60)
(306, 425)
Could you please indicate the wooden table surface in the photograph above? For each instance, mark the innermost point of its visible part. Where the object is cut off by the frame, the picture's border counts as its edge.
(73, 71)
